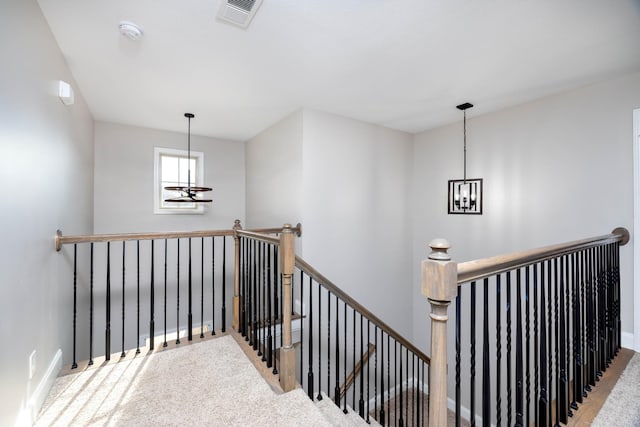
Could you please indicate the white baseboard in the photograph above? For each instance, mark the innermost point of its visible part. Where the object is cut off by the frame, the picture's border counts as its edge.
(628, 341)
(42, 390)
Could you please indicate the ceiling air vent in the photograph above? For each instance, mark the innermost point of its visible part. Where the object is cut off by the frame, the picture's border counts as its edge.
(238, 12)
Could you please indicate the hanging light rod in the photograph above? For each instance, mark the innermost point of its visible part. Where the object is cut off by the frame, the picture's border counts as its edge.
(189, 193)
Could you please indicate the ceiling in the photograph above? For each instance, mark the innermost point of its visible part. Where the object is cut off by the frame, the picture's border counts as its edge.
(403, 64)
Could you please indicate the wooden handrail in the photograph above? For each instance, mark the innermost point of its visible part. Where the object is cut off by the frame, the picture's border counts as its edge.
(358, 368)
(318, 277)
(118, 237)
(478, 269)
(89, 238)
(259, 236)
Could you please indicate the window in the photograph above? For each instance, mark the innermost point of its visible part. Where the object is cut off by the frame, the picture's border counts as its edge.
(172, 169)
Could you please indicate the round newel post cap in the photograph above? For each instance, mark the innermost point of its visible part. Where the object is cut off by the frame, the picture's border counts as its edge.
(624, 233)
(236, 224)
(439, 248)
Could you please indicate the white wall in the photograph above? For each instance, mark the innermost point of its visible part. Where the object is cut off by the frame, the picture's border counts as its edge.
(46, 165)
(274, 174)
(555, 170)
(356, 180)
(124, 180)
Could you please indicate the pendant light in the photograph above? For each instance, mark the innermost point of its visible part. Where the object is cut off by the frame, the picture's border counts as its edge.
(465, 195)
(189, 194)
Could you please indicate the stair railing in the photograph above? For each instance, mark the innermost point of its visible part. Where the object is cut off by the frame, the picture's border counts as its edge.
(564, 319)
(133, 286)
(332, 335)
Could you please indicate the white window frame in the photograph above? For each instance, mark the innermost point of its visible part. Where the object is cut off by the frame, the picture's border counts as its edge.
(179, 208)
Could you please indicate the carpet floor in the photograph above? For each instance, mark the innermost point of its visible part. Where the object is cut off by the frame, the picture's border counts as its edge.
(210, 383)
(622, 407)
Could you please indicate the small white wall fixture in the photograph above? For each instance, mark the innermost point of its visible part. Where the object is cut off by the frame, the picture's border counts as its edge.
(65, 93)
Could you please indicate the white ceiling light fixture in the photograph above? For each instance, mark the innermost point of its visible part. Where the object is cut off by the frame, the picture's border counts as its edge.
(130, 30)
(238, 12)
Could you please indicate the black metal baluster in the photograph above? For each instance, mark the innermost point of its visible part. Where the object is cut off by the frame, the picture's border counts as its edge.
(74, 365)
(508, 318)
(415, 390)
(224, 284)
(375, 379)
(499, 384)
(527, 345)
(254, 287)
(368, 410)
(389, 374)
(458, 357)
(422, 397)
(536, 349)
(519, 367)
(577, 327)
(401, 419)
(138, 297)
(301, 345)
(107, 330)
(336, 390)
(561, 396)
(406, 392)
(310, 350)
(601, 311)
(152, 302)
(275, 310)
(361, 401)
(270, 322)
(319, 397)
(395, 380)
(260, 306)
(551, 330)
(617, 287)
(243, 291)
(353, 346)
(190, 300)
(164, 343)
(122, 354)
(177, 292)
(584, 322)
(213, 287)
(543, 403)
(472, 335)
(607, 295)
(382, 389)
(570, 280)
(91, 309)
(486, 360)
(345, 355)
(328, 341)
(201, 287)
(591, 358)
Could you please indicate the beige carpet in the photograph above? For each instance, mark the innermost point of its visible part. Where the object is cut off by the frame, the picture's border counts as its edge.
(622, 407)
(210, 383)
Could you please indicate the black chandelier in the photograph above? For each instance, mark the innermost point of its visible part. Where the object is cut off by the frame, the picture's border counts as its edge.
(189, 194)
(465, 195)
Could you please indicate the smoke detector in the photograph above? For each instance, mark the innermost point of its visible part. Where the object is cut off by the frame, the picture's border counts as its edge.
(238, 12)
(130, 30)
